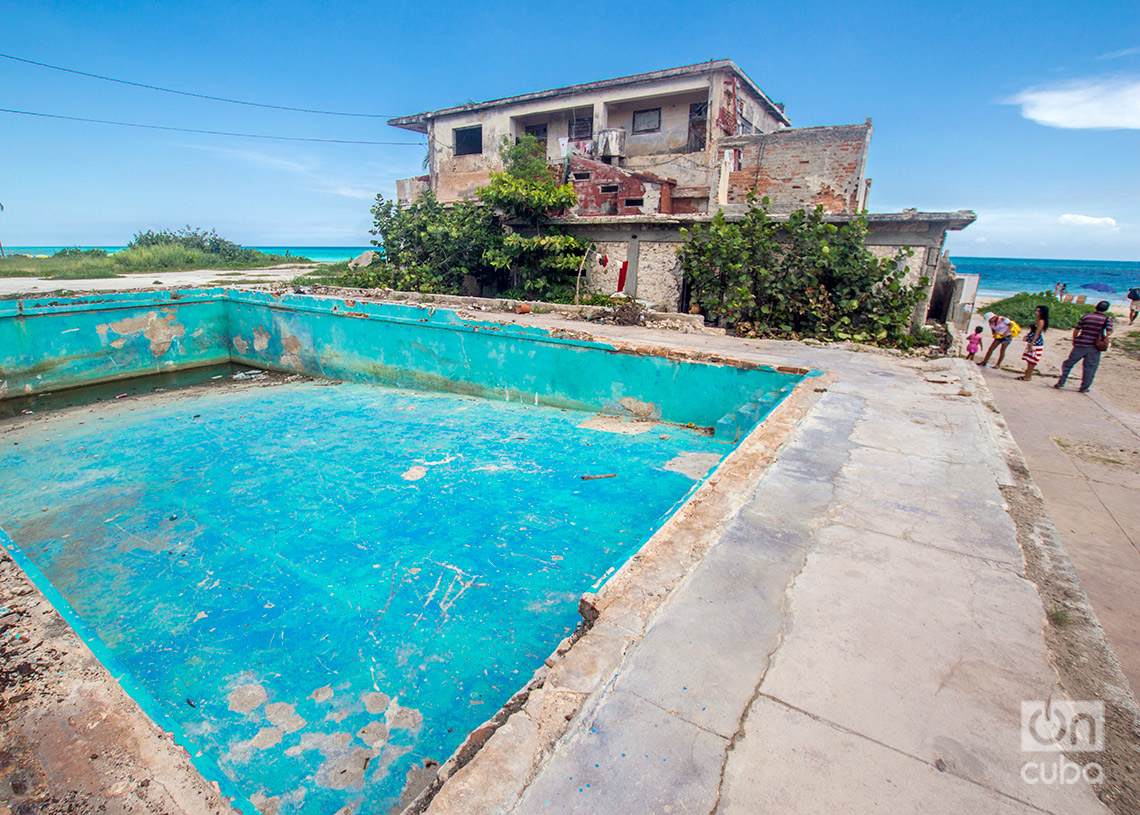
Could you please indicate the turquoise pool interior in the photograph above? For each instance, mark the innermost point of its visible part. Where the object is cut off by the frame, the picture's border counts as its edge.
(321, 584)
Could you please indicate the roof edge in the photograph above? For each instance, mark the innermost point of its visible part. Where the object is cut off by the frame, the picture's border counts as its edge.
(418, 121)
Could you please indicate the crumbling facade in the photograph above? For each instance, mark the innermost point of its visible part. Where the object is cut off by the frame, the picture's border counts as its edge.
(653, 153)
(665, 123)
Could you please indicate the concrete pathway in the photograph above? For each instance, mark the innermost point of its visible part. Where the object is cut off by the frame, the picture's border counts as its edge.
(1084, 453)
(860, 638)
(32, 286)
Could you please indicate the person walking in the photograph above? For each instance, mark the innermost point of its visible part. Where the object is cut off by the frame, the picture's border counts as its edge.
(1003, 330)
(1133, 304)
(1035, 341)
(1090, 338)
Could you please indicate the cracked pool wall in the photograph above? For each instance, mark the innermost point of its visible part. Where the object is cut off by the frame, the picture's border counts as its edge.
(47, 345)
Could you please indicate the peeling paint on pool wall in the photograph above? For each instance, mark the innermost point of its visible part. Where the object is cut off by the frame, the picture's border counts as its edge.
(46, 345)
(68, 342)
(346, 596)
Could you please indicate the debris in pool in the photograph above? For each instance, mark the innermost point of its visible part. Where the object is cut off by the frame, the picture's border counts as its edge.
(121, 396)
(595, 477)
(414, 473)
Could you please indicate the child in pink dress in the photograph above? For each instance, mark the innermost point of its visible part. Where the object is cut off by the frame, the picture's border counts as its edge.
(974, 342)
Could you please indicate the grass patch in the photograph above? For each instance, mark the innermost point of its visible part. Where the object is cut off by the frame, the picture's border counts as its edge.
(1128, 342)
(149, 252)
(1021, 308)
(1060, 617)
(328, 274)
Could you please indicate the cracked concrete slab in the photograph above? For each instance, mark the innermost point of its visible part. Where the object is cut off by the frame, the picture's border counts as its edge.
(920, 649)
(629, 755)
(789, 761)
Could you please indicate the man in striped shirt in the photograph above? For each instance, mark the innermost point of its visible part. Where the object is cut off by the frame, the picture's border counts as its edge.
(1090, 328)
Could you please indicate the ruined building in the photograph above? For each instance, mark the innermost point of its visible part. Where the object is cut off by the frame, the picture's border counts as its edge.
(651, 153)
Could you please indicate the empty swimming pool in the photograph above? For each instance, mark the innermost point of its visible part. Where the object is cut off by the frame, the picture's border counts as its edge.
(324, 585)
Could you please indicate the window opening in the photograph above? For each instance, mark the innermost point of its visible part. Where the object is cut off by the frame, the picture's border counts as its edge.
(698, 126)
(647, 121)
(634, 202)
(582, 128)
(609, 188)
(468, 140)
(538, 131)
(581, 176)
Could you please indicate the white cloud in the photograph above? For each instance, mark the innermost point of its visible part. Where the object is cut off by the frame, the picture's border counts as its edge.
(1088, 220)
(1124, 52)
(1107, 103)
(346, 191)
(265, 161)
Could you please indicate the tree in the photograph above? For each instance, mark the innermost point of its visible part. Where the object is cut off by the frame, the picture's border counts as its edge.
(540, 265)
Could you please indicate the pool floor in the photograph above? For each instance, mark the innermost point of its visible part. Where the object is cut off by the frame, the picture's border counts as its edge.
(326, 585)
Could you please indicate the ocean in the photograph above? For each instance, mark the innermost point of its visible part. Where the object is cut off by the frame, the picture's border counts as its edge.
(1098, 279)
(321, 254)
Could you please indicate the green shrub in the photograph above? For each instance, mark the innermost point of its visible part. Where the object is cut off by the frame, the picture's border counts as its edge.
(429, 247)
(801, 278)
(76, 252)
(1021, 307)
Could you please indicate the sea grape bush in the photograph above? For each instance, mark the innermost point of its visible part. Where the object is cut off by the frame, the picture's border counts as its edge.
(802, 277)
(198, 240)
(1021, 308)
(429, 247)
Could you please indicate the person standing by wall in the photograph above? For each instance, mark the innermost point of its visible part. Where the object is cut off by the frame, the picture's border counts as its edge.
(1035, 341)
(1090, 338)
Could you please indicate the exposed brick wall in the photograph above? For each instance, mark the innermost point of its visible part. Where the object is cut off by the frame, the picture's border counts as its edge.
(801, 167)
(592, 201)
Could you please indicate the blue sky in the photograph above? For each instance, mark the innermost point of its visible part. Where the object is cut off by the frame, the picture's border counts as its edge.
(1028, 114)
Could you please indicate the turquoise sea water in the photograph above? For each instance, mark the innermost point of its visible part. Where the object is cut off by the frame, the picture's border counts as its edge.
(321, 254)
(1001, 277)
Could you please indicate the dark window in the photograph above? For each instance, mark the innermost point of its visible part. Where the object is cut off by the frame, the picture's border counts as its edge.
(634, 202)
(468, 140)
(647, 121)
(609, 188)
(698, 126)
(581, 176)
(582, 128)
(538, 131)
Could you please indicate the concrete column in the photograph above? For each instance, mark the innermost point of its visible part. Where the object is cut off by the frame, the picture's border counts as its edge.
(631, 253)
